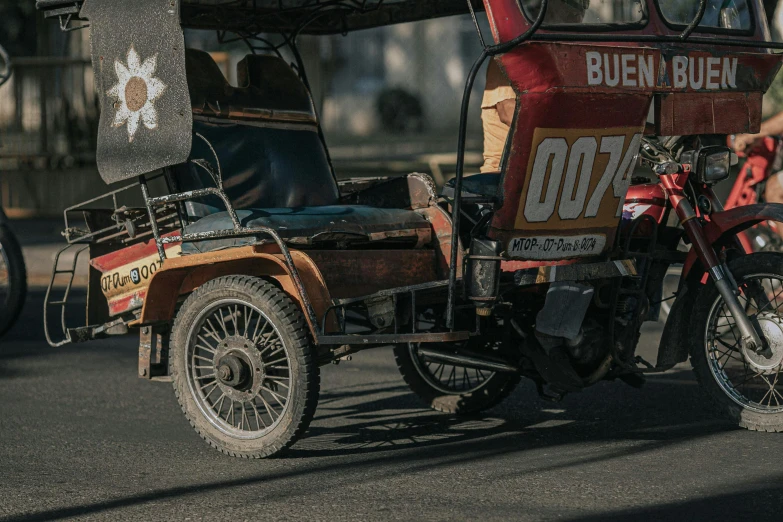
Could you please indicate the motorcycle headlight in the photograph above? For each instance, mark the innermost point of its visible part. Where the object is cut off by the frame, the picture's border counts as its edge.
(714, 164)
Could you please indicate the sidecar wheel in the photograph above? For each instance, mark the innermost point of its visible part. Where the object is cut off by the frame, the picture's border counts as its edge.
(243, 367)
(452, 389)
(746, 388)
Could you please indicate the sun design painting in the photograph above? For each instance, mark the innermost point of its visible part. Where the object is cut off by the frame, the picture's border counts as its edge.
(135, 92)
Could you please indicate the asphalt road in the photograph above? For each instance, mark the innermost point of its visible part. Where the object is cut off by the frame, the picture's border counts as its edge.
(82, 436)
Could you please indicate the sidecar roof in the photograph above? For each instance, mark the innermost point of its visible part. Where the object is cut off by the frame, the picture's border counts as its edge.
(700, 84)
(315, 16)
(319, 17)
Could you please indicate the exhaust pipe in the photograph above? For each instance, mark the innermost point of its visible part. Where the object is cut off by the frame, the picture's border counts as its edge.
(468, 361)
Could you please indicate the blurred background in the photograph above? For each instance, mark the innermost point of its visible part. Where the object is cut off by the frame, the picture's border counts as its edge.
(388, 99)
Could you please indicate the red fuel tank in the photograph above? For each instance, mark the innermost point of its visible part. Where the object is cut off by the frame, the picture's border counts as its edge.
(647, 199)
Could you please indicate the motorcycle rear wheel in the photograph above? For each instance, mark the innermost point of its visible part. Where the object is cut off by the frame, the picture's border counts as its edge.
(745, 387)
(450, 388)
(13, 280)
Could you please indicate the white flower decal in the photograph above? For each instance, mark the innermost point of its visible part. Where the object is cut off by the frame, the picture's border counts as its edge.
(135, 91)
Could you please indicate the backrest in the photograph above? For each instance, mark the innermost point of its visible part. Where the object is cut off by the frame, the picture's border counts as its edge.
(261, 136)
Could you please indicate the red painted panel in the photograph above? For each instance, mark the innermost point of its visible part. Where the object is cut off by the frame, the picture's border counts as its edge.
(507, 22)
(572, 114)
(715, 113)
(129, 254)
(126, 273)
(648, 199)
(575, 98)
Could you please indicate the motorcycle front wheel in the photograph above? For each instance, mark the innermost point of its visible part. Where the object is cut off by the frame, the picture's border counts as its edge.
(745, 386)
(13, 280)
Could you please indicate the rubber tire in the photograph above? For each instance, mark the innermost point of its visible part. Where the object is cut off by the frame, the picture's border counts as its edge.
(305, 374)
(17, 277)
(497, 388)
(766, 262)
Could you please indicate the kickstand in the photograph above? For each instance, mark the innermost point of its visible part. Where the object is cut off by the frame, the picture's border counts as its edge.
(542, 393)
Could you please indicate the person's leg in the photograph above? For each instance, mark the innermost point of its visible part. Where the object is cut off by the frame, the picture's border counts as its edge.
(495, 134)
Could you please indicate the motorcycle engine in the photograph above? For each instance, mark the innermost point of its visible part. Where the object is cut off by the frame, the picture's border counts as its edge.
(589, 347)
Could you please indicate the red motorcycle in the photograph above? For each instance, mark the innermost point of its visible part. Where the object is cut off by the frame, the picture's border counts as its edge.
(748, 189)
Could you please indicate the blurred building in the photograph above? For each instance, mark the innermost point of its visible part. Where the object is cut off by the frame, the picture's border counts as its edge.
(48, 113)
(387, 97)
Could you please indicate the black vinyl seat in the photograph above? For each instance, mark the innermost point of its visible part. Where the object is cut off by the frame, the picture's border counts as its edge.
(262, 139)
(330, 226)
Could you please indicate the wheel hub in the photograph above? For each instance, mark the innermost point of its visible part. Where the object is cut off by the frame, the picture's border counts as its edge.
(233, 370)
(769, 360)
(239, 368)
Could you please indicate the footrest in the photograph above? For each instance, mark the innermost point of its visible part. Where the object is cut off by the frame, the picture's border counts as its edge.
(97, 331)
(376, 339)
(575, 272)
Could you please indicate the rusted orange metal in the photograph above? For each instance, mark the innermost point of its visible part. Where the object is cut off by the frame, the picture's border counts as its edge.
(182, 275)
(441, 239)
(354, 273)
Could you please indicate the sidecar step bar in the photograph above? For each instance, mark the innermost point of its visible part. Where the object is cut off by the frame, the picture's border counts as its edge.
(579, 272)
(477, 361)
(381, 339)
(389, 293)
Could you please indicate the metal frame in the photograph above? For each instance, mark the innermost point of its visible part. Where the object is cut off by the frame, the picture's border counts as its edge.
(239, 231)
(76, 236)
(63, 303)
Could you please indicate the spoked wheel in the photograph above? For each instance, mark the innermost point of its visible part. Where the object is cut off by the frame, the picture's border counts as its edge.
(746, 386)
(445, 377)
(243, 367)
(13, 280)
(452, 388)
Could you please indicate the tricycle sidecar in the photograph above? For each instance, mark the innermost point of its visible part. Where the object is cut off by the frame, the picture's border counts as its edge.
(247, 265)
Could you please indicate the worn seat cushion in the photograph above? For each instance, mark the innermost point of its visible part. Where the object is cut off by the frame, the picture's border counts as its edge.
(340, 226)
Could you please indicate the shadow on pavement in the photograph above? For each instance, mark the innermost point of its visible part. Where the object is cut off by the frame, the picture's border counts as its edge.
(27, 340)
(392, 433)
(383, 426)
(745, 502)
(379, 424)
